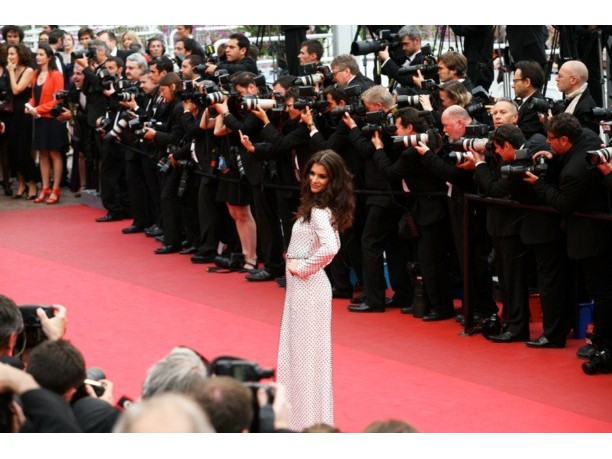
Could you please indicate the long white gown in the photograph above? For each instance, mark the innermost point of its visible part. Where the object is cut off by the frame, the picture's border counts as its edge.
(305, 350)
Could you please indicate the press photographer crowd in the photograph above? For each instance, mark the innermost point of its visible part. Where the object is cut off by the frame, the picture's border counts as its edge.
(45, 387)
(510, 195)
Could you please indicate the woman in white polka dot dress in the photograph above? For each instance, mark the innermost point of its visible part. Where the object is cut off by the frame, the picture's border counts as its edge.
(305, 351)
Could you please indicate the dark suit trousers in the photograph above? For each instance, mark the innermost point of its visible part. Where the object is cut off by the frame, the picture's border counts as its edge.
(557, 307)
(598, 279)
(112, 175)
(269, 234)
(380, 233)
(180, 215)
(139, 194)
(350, 254)
(511, 266)
(433, 253)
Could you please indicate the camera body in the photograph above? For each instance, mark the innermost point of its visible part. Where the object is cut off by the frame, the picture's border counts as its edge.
(601, 360)
(522, 164)
(386, 38)
(431, 138)
(600, 156)
(61, 98)
(33, 334)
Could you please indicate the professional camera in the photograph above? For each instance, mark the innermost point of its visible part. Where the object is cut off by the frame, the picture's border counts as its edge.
(543, 105)
(89, 53)
(379, 121)
(522, 164)
(61, 98)
(314, 74)
(476, 130)
(468, 144)
(431, 138)
(427, 70)
(308, 97)
(242, 370)
(601, 360)
(408, 101)
(601, 156)
(125, 90)
(430, 86)
(120, 126)
(93, 376)
(601, 114)
(32, 334)
(107, 79)
(251, 103)
(386, 38)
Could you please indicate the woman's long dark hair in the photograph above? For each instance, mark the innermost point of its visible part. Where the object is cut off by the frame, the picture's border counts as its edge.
(50, 53)
(24, 55)
(338, 195)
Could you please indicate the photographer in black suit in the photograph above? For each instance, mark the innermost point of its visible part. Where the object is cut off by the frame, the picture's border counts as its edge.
(383, 210)
(572, 81)
(580, 188)
(527, 83)
(478, 50)
(429, 210)
(410, 38)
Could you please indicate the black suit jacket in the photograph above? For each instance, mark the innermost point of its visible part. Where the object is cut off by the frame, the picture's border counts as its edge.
(580, 189)
(582, 111)
(247, 64)
(528, 118)
(391, 69)
(430, 201)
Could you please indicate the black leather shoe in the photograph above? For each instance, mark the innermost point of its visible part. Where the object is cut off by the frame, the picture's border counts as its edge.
(188, 250)
(260, 275)
(406, 310)
(132, 229)
(543, 342)
(153, 231)
(585, 352)
(110, 218)
(342, 294)
(394, 303)
(359, 299)
(167, 249)
(160, 239)
(507, 337)
(435, 316)
(201, 259)
(364, 307)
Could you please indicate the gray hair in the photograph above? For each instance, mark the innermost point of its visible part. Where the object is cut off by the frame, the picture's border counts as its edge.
(99, 44)
(344, 61)
(182, 371)
(173, 413)
(379, 94)
(409, 31)
(140, 61)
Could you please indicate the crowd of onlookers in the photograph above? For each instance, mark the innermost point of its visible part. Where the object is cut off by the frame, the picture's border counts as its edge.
(205, 156)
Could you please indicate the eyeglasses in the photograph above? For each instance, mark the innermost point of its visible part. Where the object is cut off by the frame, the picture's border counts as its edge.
(336, 72)
(517, 79)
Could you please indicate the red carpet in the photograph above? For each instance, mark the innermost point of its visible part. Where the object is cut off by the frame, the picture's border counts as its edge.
(128, 307)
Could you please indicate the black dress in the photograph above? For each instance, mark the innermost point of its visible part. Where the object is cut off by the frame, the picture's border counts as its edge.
(49, 133)
(20, 137)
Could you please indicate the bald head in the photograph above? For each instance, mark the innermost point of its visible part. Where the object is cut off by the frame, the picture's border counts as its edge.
(572, 75)
(454, 121)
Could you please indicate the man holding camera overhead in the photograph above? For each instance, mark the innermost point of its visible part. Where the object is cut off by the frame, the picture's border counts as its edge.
(410, 39)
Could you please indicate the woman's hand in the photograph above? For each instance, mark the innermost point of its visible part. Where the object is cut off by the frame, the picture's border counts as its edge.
(292, 267)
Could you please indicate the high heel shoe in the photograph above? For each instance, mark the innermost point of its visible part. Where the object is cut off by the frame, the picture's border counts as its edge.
(29, 197)
(79, 192)
(20, 194)
(55, 196)
(44, 193)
